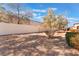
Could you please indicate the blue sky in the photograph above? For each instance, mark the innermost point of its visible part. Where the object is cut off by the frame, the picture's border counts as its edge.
(70, 10)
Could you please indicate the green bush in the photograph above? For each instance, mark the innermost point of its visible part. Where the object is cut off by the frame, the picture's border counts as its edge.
(72, 39)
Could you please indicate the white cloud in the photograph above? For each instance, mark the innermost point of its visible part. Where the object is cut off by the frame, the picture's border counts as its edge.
(38, 18)
(71, 18)
(54, 9)
(37, 14)
(43, 10)
(39, 10)
(71, 21)
(34, 14)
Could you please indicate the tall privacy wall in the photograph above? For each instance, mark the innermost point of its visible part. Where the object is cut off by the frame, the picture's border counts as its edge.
(6, 28)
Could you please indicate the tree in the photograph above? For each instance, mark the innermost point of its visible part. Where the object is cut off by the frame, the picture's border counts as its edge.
(28, 13)
(53, 23)
(10, 16)
(17, 8)
(50, 22)
(62, 22)
(2, 9)
(20, 10)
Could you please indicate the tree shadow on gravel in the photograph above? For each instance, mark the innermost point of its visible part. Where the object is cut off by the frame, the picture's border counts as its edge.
(35, 45)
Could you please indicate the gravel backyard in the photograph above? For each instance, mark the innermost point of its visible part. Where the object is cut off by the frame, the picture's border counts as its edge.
(35, 45)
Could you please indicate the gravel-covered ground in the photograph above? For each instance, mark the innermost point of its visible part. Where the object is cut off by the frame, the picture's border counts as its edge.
(35, 45)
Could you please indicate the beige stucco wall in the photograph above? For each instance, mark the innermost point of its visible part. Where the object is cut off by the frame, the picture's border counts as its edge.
(6, 28)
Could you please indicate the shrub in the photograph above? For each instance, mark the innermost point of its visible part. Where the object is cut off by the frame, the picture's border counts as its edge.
(72, 39)
(75, 41)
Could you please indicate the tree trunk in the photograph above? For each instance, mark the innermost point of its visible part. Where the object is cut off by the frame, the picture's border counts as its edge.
(50, 33)
(18, 13)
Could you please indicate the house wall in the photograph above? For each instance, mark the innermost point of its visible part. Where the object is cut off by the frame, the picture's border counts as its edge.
(75, 26)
